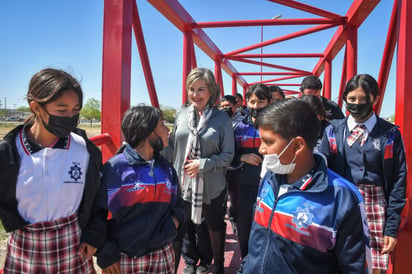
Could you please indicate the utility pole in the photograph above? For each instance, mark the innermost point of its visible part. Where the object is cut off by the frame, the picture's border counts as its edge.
(5, 108)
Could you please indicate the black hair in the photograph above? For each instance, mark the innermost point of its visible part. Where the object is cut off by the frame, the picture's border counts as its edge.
(316, 103)
(238, 95)
(365, 81)
(261, 91)
(311, 82)
(289, 119)
(277, 89)
(48, 85)
(138, 123)
(230, 98)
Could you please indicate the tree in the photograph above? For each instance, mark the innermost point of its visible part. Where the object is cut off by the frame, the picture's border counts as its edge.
(91, 110)
(168, 114)
(23, 109)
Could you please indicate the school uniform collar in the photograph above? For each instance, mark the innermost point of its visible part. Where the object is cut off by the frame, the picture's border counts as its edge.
(31, 147)
(369, 124)
(316, 174)
(134, 158)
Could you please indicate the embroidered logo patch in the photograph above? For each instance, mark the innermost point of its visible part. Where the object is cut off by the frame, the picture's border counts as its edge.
(75, 174)
(376, 144)
(137, 186)
(302, 217)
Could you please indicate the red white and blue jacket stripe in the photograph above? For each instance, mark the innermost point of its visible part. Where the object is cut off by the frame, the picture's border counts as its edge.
(393, 161)
(142, 198)
(318, 226)
(247, 140)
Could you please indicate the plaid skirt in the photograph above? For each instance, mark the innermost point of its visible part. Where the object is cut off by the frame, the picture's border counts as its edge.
(47, 247)
(375, 209)
(161, 261)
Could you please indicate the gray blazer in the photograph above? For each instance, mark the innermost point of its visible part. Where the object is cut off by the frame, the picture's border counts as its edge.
(217, 145)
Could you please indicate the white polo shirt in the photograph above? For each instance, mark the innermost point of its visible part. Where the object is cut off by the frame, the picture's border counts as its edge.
(51, 180)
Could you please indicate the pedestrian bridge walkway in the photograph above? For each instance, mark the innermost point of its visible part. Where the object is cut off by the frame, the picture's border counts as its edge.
(232, 252)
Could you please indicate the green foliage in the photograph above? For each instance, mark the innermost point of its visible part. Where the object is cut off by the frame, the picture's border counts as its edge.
(23, 109)
(168, 114)
(91, 110)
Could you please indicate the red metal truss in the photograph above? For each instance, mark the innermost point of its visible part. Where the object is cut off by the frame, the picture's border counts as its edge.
(269, 22)
(388, 54)
(402, 116)
(282, 38)
(308, 8)
(121, 17)
(179, 17)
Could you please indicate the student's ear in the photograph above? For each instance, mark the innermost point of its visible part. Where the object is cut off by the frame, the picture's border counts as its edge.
(376, 99)
(35, 107)
(299, 144)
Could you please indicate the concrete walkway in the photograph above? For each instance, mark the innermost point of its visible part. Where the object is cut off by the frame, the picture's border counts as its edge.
(232, 252)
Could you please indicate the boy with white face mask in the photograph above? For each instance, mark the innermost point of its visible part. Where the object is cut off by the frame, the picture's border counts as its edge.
(307, 219)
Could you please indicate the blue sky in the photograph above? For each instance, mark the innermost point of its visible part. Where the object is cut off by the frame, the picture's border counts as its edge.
(68, 35)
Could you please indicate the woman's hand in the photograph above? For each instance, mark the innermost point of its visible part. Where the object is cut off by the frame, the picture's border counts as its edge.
(192, 167)
(87, 250)
(113, 269)
(389, 244)
(251, 159)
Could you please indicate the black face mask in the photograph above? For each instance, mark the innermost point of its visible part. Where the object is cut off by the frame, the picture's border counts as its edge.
(228, 111)
(61, 126)
(359, 111)
(254, 112)
(157, 145)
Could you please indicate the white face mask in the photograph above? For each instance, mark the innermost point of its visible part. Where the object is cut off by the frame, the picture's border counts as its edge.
(271, 162)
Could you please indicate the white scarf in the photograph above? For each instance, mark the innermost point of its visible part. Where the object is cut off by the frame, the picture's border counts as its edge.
(193, 186)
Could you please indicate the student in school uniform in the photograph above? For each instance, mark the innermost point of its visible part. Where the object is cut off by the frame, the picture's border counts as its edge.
(307, 218)
(143, 198)
(369, 152)
(51, 198)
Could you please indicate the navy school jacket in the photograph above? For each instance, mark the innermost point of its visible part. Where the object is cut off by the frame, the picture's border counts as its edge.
(393, 162)
(318, 227)
(142, 198)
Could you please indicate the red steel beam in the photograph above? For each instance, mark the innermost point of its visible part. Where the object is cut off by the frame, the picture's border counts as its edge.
(144, 58)
(178, 16)
(342, 82)
(218, 76)
(269, 22)
(402, 115)
(272, 73)
(327, 79)
(272, 66)
(357, 13)
(388, 53)
(282, 38)
(275, 55)
(116, 69)
(352, 52)
(187, 61)
(192, 48)
(234, 84)
(277, 79)
(288, 85)
(308, 8)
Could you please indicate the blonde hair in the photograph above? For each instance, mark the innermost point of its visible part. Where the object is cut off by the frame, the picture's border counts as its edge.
(206, 75)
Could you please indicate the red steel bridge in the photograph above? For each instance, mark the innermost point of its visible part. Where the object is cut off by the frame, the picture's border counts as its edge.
(122, 23)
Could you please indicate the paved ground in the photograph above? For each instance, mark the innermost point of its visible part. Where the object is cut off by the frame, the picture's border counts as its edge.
(232, 253)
